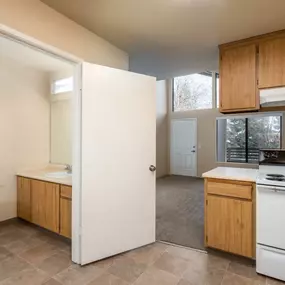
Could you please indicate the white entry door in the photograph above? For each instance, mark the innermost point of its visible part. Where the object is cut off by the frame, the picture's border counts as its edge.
(183, 148)
(117, 162)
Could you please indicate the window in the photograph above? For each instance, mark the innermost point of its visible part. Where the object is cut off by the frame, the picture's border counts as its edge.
(192, 92)
(239, 139)
(217, 78)
(62, 85)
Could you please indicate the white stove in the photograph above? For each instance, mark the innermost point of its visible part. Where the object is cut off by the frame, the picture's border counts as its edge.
(270, 214)
(271, 175)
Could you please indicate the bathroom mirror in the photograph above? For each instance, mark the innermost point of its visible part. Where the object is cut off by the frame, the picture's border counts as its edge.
(60, 114)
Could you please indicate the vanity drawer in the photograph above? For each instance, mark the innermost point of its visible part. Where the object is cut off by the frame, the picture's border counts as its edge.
(237, 190)
(66, 191)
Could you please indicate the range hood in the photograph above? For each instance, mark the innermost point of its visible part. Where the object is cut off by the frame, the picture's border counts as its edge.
(272, 97)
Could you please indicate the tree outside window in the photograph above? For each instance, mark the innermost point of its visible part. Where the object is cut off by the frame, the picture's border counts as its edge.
(192, 92)
(239, 139)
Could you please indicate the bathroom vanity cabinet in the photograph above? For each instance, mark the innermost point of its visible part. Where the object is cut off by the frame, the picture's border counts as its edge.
(45, 204)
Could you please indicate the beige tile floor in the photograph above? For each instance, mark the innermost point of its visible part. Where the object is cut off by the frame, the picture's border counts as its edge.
(31, 256)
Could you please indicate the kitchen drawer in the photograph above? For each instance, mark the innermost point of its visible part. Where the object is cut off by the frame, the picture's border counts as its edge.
(243, 191)
(66, 191)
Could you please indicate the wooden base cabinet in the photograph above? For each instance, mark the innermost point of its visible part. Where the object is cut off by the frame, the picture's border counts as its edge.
(229, 219)
(45, 204)
(24, 198)
(65, 211)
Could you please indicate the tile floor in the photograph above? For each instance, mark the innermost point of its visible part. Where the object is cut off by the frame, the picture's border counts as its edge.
(31, 256)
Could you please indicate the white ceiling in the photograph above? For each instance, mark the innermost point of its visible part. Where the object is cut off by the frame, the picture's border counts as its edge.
(172, 37)
(29, 57)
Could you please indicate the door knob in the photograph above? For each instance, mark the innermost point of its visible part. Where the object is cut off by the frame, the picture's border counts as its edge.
(152, 168)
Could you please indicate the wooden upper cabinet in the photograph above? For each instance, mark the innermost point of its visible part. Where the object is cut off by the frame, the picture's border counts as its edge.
(272, 63)
(238, 79)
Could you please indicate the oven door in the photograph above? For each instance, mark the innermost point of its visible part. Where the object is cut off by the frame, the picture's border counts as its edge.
(270, 216)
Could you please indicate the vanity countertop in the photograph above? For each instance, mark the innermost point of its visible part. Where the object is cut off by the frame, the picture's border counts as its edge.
(232, 173)
(40, 174)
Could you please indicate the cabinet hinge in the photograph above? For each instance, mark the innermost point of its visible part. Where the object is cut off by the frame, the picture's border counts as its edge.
(206, 238)
(206, 202)
(257, 82)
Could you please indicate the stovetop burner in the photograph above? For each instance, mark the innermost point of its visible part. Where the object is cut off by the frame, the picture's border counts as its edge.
(271, 175)
(276, 175)
(275, 179)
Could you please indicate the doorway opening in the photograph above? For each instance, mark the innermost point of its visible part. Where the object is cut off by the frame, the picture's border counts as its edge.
(183, 144)
(180, 196)
(36, 131)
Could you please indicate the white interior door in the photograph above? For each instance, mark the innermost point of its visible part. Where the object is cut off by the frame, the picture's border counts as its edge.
(117, 150)
(183, 148)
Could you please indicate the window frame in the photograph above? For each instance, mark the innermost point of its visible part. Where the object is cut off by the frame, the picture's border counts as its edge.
(217, 99)
(246, 134)
(205, 73)
(172, 95)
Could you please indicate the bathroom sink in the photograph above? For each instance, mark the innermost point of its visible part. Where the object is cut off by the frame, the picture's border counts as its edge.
(58, 174)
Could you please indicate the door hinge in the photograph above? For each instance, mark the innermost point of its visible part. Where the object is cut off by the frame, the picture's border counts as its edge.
(207, 202)
(257, 82)
(206, 238)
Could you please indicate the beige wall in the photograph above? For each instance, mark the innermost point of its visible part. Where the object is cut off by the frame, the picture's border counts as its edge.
(24, 127)
(37, 20)
(161, 129)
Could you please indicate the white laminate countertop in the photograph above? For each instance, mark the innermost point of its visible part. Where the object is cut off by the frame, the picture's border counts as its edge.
(40, 174)
(232, 173)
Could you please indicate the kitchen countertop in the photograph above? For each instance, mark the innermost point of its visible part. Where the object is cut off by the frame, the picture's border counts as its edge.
(40, 174)
(232, 173)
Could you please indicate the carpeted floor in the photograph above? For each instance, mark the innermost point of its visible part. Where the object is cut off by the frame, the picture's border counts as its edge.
(180, 211)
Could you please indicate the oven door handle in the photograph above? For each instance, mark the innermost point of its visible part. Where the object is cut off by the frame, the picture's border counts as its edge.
(271, 188)
(270, 249)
